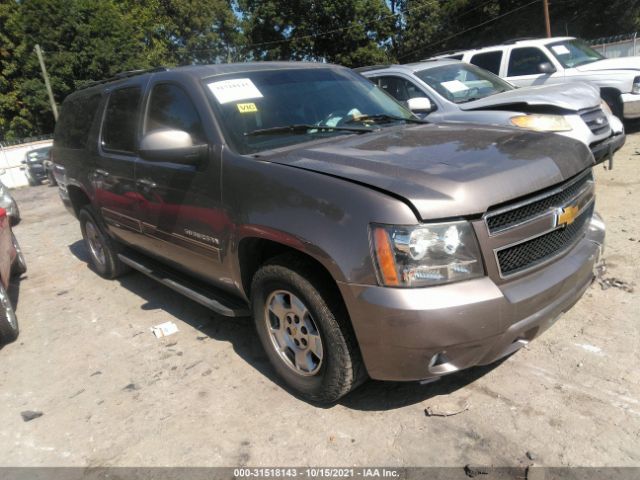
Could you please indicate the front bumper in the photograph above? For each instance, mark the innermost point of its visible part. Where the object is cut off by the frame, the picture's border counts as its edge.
(630, 105)
(604, 150)
(416, 334)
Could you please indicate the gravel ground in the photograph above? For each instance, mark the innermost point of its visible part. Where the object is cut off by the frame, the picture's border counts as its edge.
(112, 394)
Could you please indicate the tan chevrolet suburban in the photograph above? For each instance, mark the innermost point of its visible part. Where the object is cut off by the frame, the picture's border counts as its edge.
(364, 241)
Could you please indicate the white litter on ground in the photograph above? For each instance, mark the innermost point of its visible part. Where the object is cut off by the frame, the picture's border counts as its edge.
(164, 329)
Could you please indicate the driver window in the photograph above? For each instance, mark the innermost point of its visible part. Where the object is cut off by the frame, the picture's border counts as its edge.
(399, 88)
(526, 61)
(171, 108)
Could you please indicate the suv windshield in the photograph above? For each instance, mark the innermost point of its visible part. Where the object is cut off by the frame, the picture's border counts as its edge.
(461, 82)
(261, 110)
(573, 53)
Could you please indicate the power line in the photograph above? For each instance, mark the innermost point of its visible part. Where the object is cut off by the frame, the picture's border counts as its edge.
(466, 30)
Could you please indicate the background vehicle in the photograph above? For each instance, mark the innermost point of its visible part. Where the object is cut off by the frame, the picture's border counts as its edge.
(49, 168)
(12, 263)
(457, 91)
(562, 60)
(363, 240)
(33, 165)
(9, 204)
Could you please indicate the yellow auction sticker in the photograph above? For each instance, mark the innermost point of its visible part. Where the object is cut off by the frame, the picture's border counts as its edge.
(246, 107)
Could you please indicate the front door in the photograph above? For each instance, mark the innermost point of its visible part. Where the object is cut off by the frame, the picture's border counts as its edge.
(181, 216)
(523, 68)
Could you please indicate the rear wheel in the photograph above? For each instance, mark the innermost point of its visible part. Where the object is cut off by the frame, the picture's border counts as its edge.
(103, 251)
(8, 320)
(305, 330)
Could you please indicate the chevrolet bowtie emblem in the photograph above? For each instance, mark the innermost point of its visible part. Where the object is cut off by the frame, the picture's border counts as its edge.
(566, 216)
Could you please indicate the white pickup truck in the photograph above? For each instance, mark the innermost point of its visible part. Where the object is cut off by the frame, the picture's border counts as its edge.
(559, 60)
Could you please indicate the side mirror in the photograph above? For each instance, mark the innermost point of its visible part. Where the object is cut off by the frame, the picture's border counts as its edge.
(546, 67)
(174, 146)
(420, 105)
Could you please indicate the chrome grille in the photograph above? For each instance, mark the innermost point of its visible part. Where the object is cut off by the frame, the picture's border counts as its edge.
(502, 219)
(595, 119)
(533, 252)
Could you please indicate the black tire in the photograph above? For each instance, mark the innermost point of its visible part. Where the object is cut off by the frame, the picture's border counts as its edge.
(8, 321)
(19, 265)
(103, 253)
(340, 369)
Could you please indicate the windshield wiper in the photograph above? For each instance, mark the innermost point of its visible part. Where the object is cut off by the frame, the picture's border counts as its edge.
(303, 128)
(383, 118)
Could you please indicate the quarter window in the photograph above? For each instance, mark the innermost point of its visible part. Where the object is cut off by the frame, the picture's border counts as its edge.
(121, 120)
(171, 108)
(489, 61)
(72, 130)
(526, 61)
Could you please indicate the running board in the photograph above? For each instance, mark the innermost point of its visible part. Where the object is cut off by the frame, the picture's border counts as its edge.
(206, 295)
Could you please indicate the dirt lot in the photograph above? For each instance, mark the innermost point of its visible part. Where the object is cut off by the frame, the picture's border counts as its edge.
(113, 394)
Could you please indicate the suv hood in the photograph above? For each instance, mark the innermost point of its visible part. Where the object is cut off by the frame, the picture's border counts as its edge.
(445, 170)
(621, 63)
(574, 96)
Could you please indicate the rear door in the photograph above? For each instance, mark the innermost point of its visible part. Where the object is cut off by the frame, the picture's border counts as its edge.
(181, 216)
(113, 173)
(491, 61)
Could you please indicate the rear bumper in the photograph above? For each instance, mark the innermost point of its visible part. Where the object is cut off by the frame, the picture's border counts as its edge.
(416, 334)
(630, 105)
(605, 149)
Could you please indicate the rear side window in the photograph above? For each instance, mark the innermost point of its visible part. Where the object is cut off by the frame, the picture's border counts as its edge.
(76, 118)
(171, 108)
(489, 61)
(121, 120)
(526, 61)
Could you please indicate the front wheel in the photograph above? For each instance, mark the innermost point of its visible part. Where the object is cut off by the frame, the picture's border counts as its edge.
(305, 330)
(103, 251)
(8, 320)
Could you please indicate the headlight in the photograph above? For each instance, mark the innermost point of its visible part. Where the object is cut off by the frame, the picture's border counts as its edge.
(426, 255)
(541, 123)
(635, 88)
(605, 108)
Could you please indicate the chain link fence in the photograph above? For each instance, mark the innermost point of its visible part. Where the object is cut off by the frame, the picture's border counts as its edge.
(627, 45)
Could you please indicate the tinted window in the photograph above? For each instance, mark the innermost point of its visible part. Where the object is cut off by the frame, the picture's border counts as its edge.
(76, 118)
(489, 61)
(525, 61)
(399, 88)
(121, 120)
(171, 108)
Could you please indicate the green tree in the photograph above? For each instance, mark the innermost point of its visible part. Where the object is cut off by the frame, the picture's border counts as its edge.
(350, 32)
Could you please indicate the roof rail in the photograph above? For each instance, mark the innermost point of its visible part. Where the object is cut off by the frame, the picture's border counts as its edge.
(121, 75)
(370, 67)
(518, 39)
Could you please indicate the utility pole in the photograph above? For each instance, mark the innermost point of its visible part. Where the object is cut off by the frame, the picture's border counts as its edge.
(547, 22)
(46, 82)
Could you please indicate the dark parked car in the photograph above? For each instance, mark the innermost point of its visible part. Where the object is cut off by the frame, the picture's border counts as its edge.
(363, 241)
(33, 166)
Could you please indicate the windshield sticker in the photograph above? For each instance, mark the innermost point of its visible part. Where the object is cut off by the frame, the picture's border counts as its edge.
(560, 49)
(247, 107)
(454, 86)
(233, 90)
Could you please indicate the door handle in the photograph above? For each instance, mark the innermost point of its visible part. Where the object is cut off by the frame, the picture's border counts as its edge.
(102, 173)
(145, 182)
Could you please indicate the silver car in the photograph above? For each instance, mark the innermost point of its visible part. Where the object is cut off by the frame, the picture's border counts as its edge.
(450, 90)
